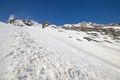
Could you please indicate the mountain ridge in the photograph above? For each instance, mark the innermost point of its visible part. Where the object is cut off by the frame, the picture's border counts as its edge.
(31, 22)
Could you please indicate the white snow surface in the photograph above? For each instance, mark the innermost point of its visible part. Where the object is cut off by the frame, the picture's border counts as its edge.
(33, 53)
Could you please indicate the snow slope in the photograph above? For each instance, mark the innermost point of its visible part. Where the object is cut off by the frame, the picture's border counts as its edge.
(33, 53)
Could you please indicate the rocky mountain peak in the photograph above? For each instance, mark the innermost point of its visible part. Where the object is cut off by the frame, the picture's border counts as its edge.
(22, 22)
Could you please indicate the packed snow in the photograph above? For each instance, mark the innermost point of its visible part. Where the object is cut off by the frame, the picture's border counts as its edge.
(53, 53)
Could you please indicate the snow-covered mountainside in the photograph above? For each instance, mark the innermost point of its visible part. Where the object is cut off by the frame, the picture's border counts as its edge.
(30, 52)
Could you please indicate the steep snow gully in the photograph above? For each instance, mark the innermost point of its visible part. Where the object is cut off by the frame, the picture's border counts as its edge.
(32, 53)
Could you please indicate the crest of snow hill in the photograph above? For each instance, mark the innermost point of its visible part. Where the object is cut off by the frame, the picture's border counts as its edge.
(112, 30)
(25, 22)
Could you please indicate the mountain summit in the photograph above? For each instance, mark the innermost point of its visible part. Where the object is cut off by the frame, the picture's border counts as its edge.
(22, 22)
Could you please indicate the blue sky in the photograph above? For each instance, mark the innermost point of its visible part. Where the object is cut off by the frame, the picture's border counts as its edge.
(60, 12)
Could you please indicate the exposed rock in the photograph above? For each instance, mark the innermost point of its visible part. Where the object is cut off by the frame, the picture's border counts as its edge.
(22, 22)
(12, 21)
(45, 24)
(90, 39)
(28, 22)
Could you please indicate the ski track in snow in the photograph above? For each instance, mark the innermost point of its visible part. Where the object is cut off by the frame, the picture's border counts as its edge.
(31, 61)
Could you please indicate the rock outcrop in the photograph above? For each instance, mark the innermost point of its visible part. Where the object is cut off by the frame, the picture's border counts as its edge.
(45, 24)
(22, 22)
